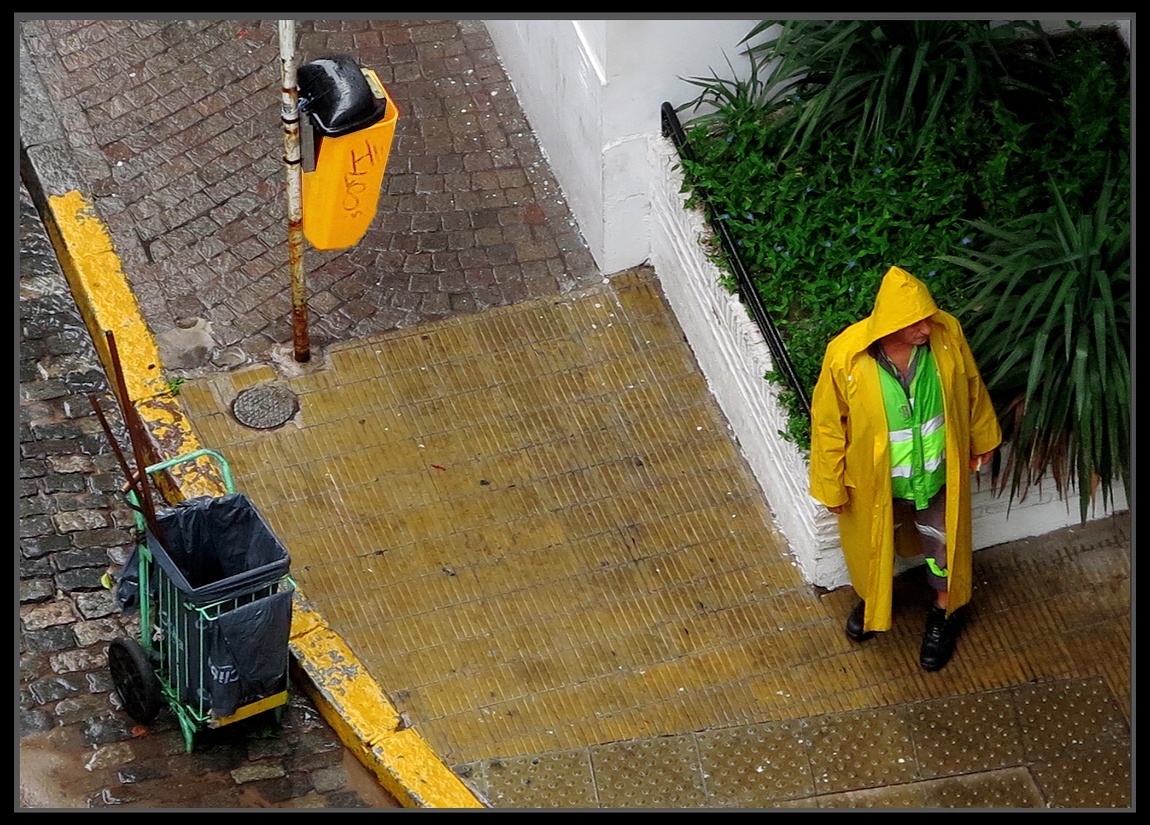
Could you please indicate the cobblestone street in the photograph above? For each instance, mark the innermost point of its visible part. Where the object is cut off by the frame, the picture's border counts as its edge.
(77, 748)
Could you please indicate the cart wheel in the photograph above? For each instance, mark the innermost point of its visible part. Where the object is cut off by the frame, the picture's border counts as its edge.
(135, 679)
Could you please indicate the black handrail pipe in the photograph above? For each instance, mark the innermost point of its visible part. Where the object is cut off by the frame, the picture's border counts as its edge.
(750, 297)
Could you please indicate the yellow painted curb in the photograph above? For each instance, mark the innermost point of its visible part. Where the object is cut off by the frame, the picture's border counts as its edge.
(107, 304)
(366, 720)
(345, 693)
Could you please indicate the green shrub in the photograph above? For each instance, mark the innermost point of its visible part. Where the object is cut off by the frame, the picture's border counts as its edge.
(856, 145)
(869, 80)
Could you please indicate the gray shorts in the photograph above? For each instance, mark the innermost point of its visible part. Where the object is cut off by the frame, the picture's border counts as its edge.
(931, 526)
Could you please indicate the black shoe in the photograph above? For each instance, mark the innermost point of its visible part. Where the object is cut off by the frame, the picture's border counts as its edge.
(854, 627)
(939, 638)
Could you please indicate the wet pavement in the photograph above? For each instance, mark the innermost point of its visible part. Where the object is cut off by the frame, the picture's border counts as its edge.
(78, 749)
(175, 128)
(534, 546)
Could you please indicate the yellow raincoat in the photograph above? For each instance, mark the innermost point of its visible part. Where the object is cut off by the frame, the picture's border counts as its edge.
(850, 448)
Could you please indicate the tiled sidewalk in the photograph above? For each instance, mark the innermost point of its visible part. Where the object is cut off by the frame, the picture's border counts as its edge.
(174, 126)
(533, 527)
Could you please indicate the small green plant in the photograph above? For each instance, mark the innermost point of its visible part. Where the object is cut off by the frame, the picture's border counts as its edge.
(174, 385)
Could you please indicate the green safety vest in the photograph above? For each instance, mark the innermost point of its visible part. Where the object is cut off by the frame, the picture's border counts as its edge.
(917, 431)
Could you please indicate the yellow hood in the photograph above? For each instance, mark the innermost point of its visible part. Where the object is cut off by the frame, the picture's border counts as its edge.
(902, 300)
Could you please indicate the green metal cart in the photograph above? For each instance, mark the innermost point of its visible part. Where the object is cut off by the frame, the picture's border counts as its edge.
(213, 589)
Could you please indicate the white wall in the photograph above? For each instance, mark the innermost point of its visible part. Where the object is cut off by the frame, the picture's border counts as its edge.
(591, 90)
(555, 67)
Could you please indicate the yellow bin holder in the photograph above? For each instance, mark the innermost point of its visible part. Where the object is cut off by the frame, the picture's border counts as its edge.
(353, 120)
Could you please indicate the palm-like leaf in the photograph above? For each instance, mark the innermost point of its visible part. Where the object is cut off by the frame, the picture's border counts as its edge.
(877, 79)
(1050, 323)
(733, 100)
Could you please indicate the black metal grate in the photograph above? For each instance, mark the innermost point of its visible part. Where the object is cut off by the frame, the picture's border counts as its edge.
(265, 407)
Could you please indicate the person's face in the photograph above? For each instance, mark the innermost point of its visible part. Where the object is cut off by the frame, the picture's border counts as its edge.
(915, 335)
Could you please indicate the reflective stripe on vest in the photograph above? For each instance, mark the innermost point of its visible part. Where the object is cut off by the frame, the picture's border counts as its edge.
(917, 432)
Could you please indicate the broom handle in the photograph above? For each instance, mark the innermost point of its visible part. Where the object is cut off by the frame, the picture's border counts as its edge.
(135, 427)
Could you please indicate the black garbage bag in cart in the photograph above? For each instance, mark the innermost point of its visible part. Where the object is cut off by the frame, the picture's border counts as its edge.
(223, 614)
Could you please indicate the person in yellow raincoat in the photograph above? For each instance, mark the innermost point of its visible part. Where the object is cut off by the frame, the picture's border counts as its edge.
(906, 343)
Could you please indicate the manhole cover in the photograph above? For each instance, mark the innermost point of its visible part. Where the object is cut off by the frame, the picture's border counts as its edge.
(265, 407)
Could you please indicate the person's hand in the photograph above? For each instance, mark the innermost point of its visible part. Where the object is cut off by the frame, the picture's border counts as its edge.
(978, 461)
(838, 511)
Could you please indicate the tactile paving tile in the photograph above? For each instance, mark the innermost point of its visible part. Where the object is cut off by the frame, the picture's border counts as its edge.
(548, 780)
(1106, 647)
(1006, 788)
(912, 795)
(750, 766)
(861, 749)
(502, 482)
(663, 772)
(1090, 777)
(965, 734)
(1056, 716)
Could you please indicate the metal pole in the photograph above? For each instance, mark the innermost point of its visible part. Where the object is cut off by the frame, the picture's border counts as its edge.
(289, 114)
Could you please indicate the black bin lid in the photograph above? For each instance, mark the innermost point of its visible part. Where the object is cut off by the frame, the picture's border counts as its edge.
(337, 96)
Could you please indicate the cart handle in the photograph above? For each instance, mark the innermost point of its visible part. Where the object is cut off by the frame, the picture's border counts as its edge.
(225, 468)
(225, 471)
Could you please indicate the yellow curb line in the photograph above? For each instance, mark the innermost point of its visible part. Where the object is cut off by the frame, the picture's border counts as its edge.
(346, 694)
(357, 709)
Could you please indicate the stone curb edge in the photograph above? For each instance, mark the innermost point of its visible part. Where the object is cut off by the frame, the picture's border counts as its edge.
(346, 695)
